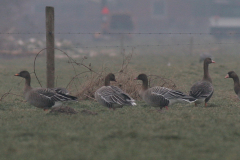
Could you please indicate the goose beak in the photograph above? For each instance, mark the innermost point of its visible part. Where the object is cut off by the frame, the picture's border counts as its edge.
(213, 61)
(227, 76)
(135, 79)
(16, 74)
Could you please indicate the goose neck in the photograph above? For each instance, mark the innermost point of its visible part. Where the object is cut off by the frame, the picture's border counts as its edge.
(27, 83)
(107, 81)
(145, 84)
(206, 75)
(236, 81)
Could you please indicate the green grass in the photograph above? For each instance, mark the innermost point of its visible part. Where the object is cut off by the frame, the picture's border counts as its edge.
(182, 132)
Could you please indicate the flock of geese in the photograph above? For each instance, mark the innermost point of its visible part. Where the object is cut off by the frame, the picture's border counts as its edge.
(113, 97)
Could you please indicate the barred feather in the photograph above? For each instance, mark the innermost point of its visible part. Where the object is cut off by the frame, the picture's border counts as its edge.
(111, 95)
(60, 90)
(161, 96)
(53, 95)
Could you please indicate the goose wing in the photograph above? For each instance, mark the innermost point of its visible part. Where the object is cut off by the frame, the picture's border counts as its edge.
(161, 96)
(53, 95)
(201, 89)
(167, 93)
(114, 95)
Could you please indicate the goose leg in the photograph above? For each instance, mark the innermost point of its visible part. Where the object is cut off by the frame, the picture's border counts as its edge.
(166, 107)
(195, 104)
(45, 109)
(205, 104)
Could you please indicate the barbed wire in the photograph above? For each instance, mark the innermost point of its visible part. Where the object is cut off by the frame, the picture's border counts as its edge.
(119, 33)
(125, 46)
(157, 45)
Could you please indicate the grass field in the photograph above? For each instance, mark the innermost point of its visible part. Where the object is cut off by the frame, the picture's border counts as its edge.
(182, 132)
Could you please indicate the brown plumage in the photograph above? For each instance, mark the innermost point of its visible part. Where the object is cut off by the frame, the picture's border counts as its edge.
(160, 96)
(234, 76)
(43, 98)
(203, 90)
(112, 96)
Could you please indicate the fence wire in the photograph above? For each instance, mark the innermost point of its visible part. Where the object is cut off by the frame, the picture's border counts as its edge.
(127, 46)
(124, 33)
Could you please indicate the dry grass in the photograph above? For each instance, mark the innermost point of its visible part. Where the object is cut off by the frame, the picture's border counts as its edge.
(182, 132)
(125, 81)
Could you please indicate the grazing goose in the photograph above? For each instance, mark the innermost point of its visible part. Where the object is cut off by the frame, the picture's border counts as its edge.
(160, 96)
(203, 90)
(235, 78)
(43, 98)
(112, 96)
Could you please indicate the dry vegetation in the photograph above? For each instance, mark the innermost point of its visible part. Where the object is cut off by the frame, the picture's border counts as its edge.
(125, 80)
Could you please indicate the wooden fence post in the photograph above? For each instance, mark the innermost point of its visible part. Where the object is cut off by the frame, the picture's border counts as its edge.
(50, 46)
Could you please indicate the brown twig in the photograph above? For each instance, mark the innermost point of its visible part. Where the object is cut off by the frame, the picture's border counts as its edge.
(5, 94)
(75, 77)
(89, 97)
(165, 80)
(81, 64)
(70, 59)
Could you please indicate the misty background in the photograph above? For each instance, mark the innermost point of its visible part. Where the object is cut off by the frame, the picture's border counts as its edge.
(85, 15)
(27, 17)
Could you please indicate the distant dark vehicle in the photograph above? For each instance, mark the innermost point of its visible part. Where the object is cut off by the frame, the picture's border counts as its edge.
(120, 22)
(225, 19)
(116, 23)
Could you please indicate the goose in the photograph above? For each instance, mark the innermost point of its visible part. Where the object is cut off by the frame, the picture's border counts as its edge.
(203, 90)
(234, 76)
(160, 96)
(112, 96)
(43, 98)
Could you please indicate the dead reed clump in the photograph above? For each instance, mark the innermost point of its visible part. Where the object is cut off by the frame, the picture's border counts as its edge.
(87, 89)
(125, 81)
(155, 80)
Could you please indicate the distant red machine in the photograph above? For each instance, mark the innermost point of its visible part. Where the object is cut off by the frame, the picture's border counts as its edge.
(115, 23)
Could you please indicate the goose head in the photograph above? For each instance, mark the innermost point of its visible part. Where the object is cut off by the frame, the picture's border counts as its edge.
(231, 74)
(23, 74)
(111, 77)
(208, 61)
(142, 77)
